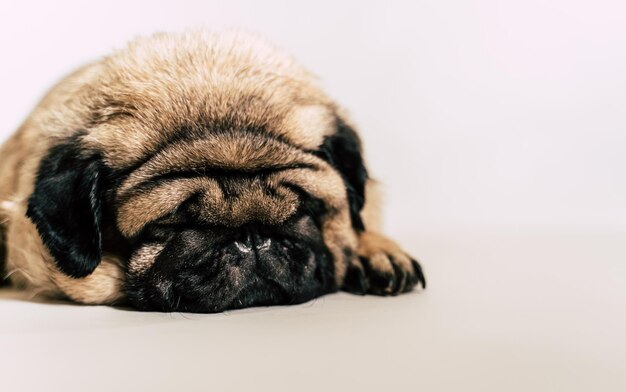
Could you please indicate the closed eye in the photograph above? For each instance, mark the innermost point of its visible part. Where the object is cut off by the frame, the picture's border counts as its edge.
(309, 205)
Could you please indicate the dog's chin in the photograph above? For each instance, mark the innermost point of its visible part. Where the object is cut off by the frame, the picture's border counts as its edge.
(205, 272)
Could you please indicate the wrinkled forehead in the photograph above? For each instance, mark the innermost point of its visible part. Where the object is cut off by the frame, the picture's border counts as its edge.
(231, 178)
(129, 131)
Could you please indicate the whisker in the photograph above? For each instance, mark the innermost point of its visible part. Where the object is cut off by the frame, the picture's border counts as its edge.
(20, 270)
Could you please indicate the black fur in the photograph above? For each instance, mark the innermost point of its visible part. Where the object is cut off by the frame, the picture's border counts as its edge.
(343, 151)
(355, 281)
(203, 269)
(66, 207)
(365, 279)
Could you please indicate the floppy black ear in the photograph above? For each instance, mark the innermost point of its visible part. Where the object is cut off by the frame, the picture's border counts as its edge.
(66, 208)
(343, 151)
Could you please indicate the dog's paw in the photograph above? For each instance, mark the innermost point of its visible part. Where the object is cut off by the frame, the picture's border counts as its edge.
(382, 268)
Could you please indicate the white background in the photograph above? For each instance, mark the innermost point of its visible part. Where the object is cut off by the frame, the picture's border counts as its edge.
(473, 112)
(499, 130)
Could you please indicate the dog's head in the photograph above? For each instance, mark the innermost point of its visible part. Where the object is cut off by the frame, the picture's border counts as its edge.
(214, 166)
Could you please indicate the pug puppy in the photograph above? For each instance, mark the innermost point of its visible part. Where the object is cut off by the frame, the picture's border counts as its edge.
(193, 172)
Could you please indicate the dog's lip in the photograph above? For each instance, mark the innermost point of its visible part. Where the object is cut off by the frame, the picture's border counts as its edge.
(258, 279)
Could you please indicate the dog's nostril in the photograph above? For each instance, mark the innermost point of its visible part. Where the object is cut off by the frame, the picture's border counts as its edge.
(260, 243)
(243, 247)
(264, 244)
(250, 241)
(246, 243)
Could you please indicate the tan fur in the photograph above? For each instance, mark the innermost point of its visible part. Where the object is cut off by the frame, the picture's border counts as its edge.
(372, 214)
(104, 285)
(241, 79)
(144, 257)
(131, 105)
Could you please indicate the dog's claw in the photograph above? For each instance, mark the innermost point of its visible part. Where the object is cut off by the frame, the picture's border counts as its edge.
(419, 273)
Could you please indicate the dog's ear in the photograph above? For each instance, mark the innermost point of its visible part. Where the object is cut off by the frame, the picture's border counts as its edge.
(342, 150)
(66, 207)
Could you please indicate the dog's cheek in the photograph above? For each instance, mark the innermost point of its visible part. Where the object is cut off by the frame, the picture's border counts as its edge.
(103, 286)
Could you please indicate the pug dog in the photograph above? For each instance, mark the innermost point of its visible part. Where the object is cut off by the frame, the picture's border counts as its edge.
(193, 172)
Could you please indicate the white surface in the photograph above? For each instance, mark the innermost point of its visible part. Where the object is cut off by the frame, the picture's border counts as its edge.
(499, 129)
(504, 312)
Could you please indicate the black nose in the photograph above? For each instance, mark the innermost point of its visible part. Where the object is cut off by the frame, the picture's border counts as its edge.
(252, 242)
